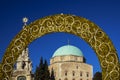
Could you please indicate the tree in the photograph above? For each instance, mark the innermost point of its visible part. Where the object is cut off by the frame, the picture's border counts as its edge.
(42, 71)
(97, 76)
(36, 74)
(52, 76)
(46, 71)
(39, 71)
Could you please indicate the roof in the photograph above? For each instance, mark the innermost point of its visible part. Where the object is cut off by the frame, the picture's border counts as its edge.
(68, 50)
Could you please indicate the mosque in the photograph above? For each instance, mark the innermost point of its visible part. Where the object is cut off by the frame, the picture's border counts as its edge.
(67, 62)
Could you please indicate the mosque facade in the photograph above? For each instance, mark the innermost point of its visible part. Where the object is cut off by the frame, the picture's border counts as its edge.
(67, 62)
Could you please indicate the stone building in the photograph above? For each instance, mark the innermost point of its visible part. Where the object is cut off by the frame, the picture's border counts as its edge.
(23, 67)
(69, 63)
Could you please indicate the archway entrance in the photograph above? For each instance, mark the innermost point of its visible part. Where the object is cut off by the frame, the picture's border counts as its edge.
(81, 27)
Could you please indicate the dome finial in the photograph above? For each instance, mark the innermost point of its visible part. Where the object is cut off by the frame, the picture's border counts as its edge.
(25, 20)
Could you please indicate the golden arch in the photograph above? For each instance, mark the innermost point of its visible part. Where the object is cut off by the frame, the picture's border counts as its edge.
(81, 27)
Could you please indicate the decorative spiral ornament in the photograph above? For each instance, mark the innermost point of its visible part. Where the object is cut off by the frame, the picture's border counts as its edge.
(78, 26)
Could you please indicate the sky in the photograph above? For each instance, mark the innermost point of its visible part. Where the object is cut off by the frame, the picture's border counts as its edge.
(104, 13)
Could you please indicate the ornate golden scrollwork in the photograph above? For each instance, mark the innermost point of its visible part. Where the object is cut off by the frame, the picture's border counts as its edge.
(78, 26)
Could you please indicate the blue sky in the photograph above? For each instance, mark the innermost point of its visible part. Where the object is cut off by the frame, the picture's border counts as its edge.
(104, 13)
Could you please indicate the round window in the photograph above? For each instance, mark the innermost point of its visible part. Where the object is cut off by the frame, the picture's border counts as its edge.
(21, 78)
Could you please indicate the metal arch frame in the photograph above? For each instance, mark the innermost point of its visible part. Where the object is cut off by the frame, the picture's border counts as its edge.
(78, 26)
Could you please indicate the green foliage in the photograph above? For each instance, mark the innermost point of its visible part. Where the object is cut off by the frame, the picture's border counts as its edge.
(47, 74)
(37, 73)
(42, 71)
(97, 76)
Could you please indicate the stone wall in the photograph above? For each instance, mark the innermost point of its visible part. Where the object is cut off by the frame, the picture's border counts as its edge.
(71, 68)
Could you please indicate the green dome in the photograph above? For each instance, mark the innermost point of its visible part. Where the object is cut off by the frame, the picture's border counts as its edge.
(68, 50)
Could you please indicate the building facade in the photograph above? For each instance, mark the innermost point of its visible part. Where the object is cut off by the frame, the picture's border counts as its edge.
(23, 67)
(68, 63)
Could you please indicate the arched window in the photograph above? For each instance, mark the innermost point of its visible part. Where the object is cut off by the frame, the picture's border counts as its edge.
(65, 79)
(76, 67)
(73, 73)
(87, 74)
(21, 78)
(73, 79)
(23, 64)
(75, 58)
(65, 73)
(81, 73)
